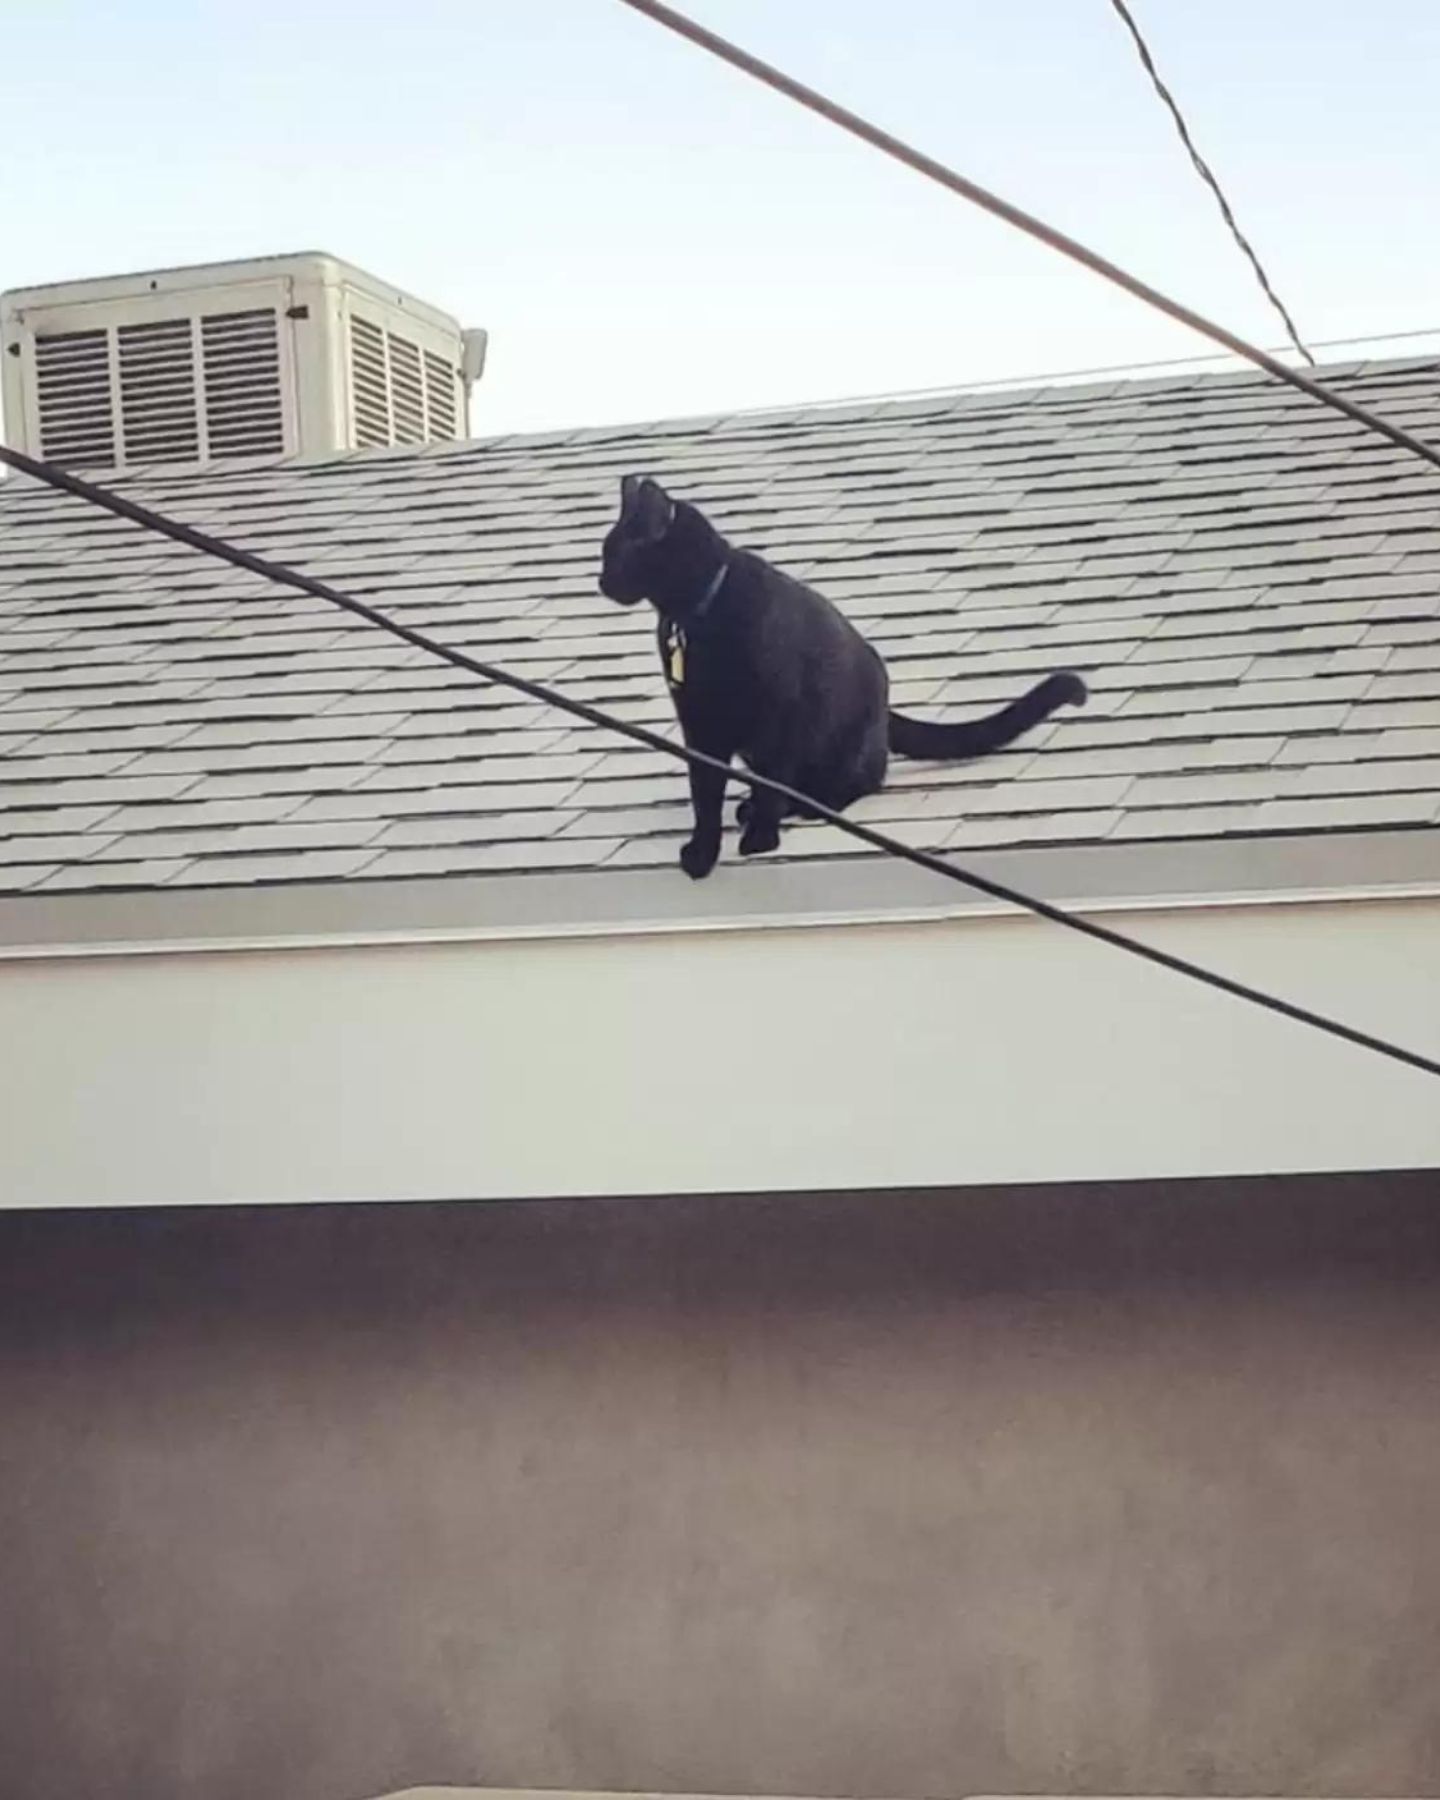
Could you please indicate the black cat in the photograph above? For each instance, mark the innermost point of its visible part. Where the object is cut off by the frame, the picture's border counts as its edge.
(764, 668)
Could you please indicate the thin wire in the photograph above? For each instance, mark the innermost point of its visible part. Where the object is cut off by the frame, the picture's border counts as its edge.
(901, 152)
(195, 539)
(1053, 377)
(1208, 176)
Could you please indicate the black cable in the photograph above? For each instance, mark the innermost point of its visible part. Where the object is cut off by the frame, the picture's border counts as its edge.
(1077, 252)
(1208, 176)
(195, 539)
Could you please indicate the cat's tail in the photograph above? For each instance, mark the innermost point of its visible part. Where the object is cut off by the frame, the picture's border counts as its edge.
(976, 737)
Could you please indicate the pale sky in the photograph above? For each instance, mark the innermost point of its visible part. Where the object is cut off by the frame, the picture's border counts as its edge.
(646, 233)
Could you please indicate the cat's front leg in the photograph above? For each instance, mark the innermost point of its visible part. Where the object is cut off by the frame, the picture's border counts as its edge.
(707, 796)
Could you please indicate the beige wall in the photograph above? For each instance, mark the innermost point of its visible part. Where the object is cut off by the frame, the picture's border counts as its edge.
(950, 1053)
(1108, 1490)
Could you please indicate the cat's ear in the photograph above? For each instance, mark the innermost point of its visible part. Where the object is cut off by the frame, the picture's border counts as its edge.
(646, 510)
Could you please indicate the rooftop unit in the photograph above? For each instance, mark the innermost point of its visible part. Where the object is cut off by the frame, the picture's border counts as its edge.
(279, 356)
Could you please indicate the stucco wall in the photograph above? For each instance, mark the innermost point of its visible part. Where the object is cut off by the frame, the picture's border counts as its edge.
(1106, 1490)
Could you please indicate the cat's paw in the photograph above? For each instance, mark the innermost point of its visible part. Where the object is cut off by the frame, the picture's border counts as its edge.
(697, 859)
(760, 837)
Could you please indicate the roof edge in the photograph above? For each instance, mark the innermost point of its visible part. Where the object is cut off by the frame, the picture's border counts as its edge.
(1310, 868)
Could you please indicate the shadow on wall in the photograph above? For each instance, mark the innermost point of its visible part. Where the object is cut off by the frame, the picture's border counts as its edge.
(1105, 1491)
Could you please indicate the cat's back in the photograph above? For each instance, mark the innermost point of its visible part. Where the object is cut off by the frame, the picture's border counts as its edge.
(786, 605)
(804, 652)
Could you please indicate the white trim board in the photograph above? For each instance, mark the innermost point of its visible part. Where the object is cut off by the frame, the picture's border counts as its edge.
(975, 1050)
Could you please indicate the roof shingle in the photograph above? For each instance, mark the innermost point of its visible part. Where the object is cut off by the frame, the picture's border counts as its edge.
(1249, 582)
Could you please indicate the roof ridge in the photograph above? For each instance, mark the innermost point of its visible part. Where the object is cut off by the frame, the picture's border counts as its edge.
(997, 395)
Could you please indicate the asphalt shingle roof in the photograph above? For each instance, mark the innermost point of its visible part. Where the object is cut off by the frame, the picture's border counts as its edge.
(1248, 582)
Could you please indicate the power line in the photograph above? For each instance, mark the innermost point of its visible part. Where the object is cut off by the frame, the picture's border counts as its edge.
(896, 148)
(996, 384)
(1208, 176)
(203, 541)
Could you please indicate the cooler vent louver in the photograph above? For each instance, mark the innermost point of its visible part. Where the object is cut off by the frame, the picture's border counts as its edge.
(244, 413)
(77, 416)
(400, 394)
(440, 397)
(370, 383)
(165, 391)
(159, 417)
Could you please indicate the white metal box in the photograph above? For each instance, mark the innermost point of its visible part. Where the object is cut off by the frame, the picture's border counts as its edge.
(280, 356)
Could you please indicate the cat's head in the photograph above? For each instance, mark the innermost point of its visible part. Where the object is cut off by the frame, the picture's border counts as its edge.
(632, 561)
